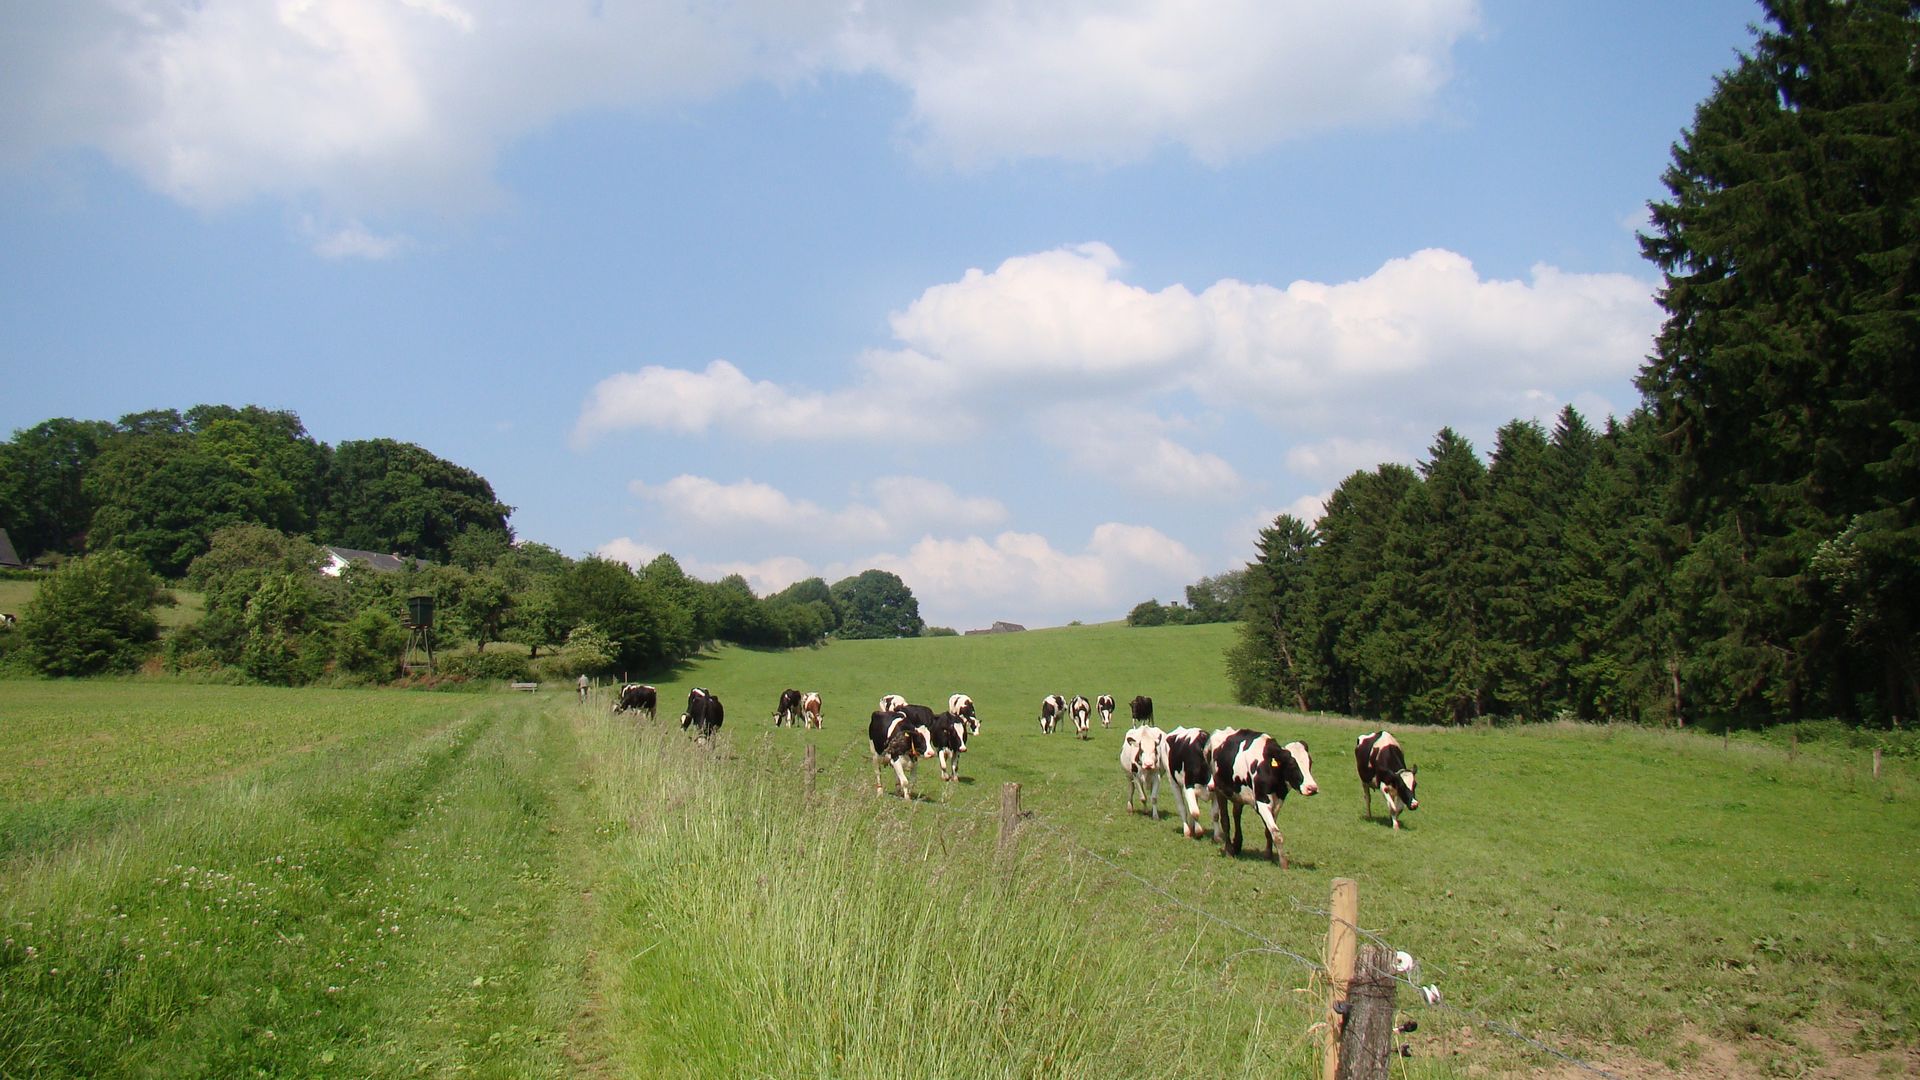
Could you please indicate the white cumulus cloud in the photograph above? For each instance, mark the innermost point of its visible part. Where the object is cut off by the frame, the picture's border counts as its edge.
(1100, 81)
(365, 107)
(1346, 369)
(1022, 577)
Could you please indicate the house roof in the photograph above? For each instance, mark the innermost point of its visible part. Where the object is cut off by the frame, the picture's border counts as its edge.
(384, 563)
(8, 556)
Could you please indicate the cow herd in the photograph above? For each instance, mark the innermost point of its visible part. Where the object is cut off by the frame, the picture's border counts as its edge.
(1230, 769)
(1236, 767)
(901, 733)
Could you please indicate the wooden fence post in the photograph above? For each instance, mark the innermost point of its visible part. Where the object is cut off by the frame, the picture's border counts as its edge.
(1340, 950)
(1793, 747)
(1009, 815)
(1876, 763)
(1366, 1044)
(810, 768)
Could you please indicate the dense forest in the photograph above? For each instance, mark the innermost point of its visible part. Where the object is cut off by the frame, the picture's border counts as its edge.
(234, 504)
(1744, 548)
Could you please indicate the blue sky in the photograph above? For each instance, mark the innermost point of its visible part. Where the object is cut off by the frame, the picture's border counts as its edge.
(1046, 307)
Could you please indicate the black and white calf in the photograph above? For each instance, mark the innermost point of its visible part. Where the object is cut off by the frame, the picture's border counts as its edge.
(810, 708)
(962, 706)
(1384, 765)
(704, 713)
(1051, 707)
(1105, 704)
(1251, 768)
(1142, 709)
(1143, 758)
(946, 733)
(637, 697)
(788, 711)
(898, 743)
(1082, 715)
(1190, 771)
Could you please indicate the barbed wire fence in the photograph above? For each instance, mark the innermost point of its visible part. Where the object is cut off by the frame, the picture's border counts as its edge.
(1428, 994)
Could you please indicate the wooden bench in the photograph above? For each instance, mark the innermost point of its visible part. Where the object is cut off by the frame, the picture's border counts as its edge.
(527, 686)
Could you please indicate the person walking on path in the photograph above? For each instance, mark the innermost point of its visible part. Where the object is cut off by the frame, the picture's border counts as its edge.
(583, 687)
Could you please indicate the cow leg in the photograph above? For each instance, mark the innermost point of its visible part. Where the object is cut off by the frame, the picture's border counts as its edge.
(1154, 799)
(1366, 790)
(900, 771)
(879, 787)
(1276, 844)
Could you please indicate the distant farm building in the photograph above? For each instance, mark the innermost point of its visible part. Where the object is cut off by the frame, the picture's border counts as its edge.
(8, 556)
(339, 557)
(999, 628)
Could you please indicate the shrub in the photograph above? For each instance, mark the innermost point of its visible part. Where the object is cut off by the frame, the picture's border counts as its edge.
(94, 614)
(368, 646)
(499, 664)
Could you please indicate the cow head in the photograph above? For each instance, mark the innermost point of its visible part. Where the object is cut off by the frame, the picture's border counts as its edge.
(1398, 788)
(1296, 765)
(1145, 750)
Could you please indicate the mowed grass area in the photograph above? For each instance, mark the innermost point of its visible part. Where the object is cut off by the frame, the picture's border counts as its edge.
(249, 881)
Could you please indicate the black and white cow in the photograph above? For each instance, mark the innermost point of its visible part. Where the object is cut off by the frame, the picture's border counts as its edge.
(1051, 707)
(892, 703)
(637, 697)
(810, 709)
(1105, 704)
(788, 711)
(1082, 716)
(962, 706)
(1142, 709)
(1189, 770)
(1251, 768)
(898, 743)
(1143, 758)
(1384, 765)
(704, 713)
(947, 734)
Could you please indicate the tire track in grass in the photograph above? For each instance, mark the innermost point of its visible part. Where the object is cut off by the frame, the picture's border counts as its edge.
(216, 937)
(479, 909)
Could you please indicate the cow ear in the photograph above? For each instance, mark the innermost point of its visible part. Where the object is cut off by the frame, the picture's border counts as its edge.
(1414, 769)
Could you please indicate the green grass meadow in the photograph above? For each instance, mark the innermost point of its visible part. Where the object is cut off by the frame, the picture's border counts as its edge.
(247, 881)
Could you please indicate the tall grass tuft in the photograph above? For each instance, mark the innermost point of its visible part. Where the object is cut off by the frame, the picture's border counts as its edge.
(759, 932)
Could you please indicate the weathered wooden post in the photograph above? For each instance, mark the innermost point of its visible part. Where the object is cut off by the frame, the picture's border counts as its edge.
(1339, 963)
(1876, 763)
(1009, 816)
(810, 768)
(1366, 1043)
(1793, 747)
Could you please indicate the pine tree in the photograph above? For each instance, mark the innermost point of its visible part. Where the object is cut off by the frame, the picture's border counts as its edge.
(1361, 673)
(1519, 525)
(1271, 665)
(1440, 546)
(1784, 382)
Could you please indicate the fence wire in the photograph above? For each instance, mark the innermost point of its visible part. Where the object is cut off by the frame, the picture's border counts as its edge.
(1270, 946)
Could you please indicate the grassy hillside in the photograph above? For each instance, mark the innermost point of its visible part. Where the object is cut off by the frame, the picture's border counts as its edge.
(188, 607)
(358, 883)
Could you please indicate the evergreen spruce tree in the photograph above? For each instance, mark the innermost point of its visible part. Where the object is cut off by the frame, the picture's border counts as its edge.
(1360, 618)
(1271, 665)
(1441, 550)
(1519, 526)
(1784, 382)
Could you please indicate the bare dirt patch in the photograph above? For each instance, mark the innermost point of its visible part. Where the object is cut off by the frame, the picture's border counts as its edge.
(1822, 1053)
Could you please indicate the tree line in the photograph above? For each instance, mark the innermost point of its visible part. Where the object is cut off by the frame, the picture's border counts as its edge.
(1742, 549)
(235, 503)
